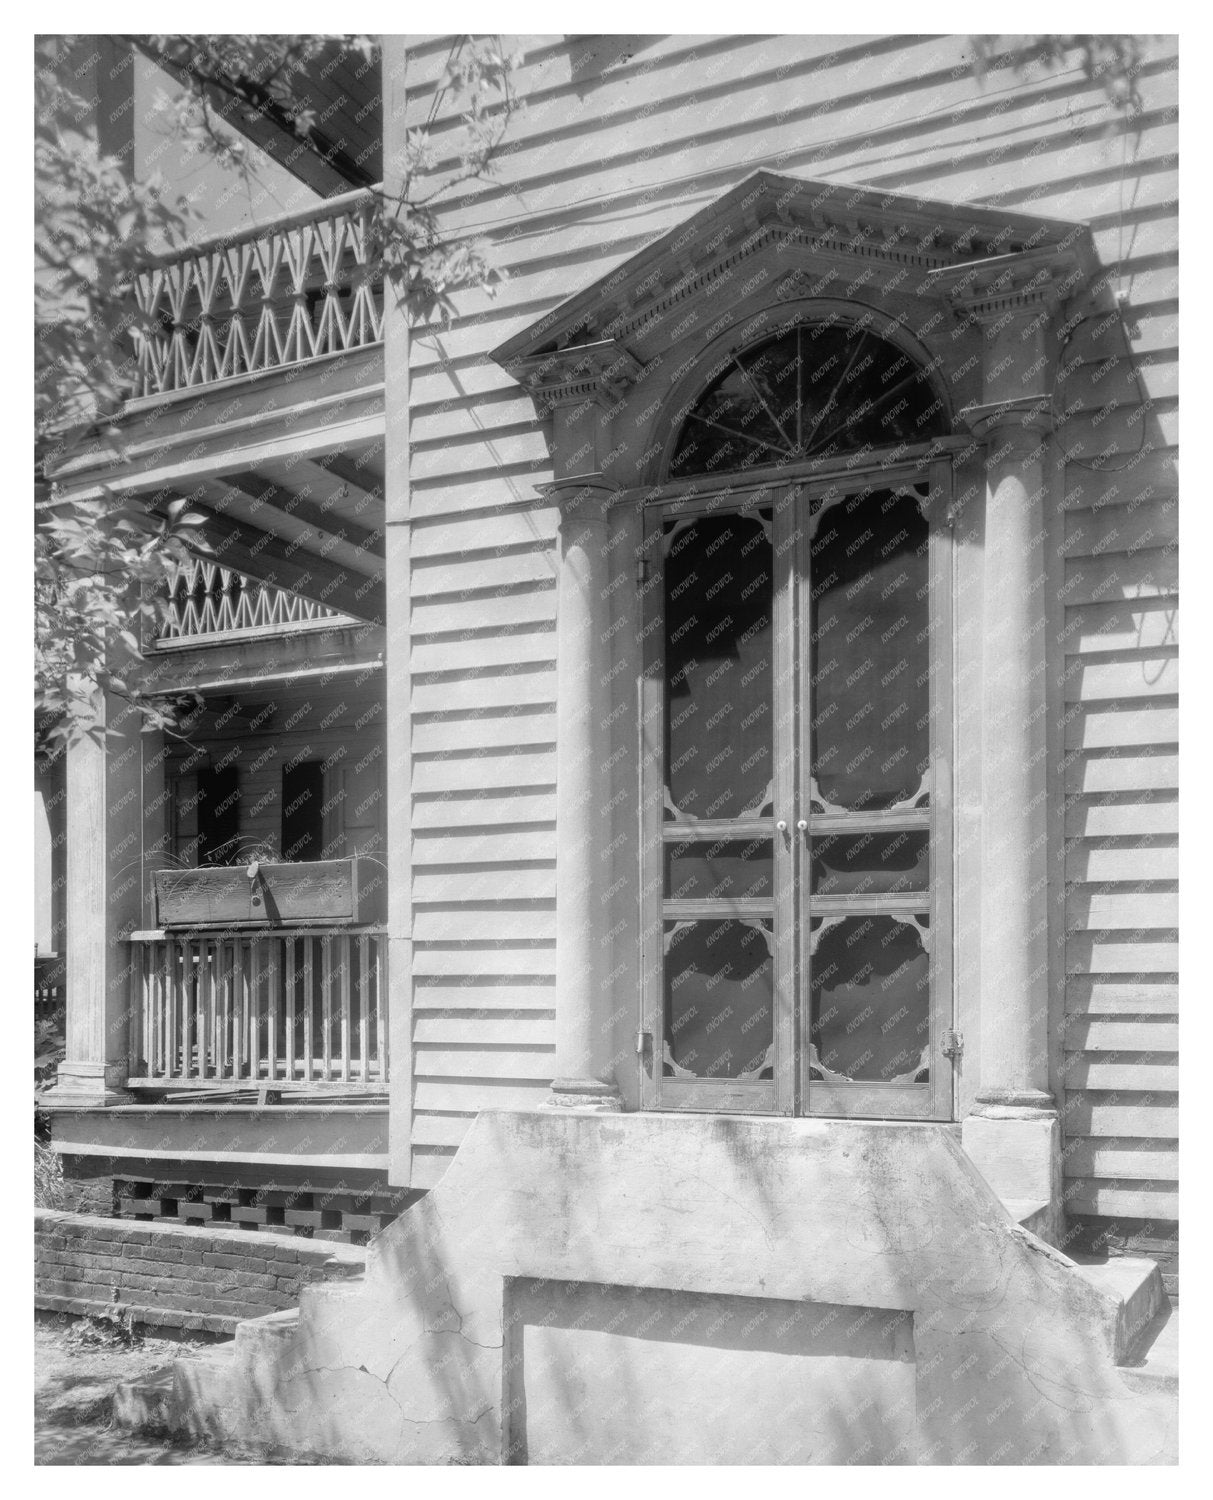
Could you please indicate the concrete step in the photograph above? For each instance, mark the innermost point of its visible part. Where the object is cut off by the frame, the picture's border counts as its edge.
(1137, 1283)
(153, 1403)
(1152, 1364)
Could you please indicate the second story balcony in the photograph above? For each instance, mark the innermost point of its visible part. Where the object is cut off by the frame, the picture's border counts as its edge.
(257, 399)
(270, 296)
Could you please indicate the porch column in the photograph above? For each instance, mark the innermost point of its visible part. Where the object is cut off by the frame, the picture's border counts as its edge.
(1013, 1132)
(104, 897)
(584, 1051)
(1014, 864)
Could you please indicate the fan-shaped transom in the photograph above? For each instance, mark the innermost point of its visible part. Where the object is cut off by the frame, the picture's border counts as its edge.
(809, 392)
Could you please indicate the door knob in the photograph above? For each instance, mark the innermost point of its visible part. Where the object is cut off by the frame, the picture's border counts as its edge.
(802, 825)
(782, 825)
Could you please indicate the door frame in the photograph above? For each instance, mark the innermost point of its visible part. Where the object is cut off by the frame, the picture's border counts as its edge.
(790, 1092)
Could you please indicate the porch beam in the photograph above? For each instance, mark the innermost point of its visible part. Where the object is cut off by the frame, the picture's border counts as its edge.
(325, 522)
(265, 557)
(266, 506)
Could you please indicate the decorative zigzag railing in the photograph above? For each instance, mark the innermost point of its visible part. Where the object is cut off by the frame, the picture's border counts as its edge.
(207, 600)
(269, 296)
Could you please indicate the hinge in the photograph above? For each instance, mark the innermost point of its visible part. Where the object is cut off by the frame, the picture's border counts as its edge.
(642, 572)
(952, 1045)
(642, 1040)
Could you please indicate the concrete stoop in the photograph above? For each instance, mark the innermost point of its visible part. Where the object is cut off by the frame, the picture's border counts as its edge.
(658, 1289)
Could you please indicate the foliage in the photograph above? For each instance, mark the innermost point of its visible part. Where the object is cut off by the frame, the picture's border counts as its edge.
(1113, 61)
(101, 565)
(101, 572)
(51, 1189)
(253, 76)
(50, 1046)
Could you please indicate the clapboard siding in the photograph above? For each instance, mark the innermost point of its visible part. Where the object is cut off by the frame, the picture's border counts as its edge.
(1119, 662)
(622, 139)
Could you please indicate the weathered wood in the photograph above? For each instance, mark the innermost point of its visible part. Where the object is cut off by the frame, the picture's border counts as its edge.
(1145, 674)
(487, 995)
(450, 774)
(516, 807)
(1092, 774)
(482, 924)
(1092, 910)
(1131, 859)
(327, 890)
(1128, 1117)
(1097, 1035)
(1120, 953)
(488, 649)
(497, 960)
(1140, 1201)
(469, 691)
(1136, 1160)
(443, 735)
(514, 1062)
(1092, 996)
(1153, 571)
(511, 1029)
(1131, 1076)
(230, 991)
(442, 884)
(1112, 817)
(1115, 725)
(506, 844)
(533, 604)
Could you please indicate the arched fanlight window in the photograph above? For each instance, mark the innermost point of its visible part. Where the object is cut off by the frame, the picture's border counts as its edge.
(813, 391)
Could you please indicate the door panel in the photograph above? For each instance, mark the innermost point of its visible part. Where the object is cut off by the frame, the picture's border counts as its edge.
(793, 709)
(873, 644)
(718, 955)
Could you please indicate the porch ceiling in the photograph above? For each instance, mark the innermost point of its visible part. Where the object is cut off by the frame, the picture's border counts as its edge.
(287, 475)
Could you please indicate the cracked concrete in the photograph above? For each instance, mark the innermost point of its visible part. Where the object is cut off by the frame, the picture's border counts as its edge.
(573, 1275)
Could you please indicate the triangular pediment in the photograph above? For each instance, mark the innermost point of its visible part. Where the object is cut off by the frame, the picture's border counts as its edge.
(806, 234)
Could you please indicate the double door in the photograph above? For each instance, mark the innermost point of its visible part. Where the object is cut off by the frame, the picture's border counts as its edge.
(796, 745)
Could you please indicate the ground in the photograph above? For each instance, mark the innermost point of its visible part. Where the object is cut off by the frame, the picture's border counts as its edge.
(77, 1366)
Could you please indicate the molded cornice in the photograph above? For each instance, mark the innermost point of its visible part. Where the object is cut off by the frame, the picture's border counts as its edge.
(807, 235)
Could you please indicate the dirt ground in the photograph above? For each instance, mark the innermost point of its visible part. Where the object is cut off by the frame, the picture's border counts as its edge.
(77, 1366)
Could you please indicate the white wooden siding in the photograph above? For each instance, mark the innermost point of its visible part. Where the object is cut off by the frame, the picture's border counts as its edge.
(610, 154)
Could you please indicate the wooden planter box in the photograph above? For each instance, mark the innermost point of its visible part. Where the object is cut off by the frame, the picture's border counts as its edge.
(321, 890)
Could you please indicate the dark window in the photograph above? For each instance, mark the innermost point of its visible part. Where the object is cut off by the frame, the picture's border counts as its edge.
(302, 810)
(218, 815)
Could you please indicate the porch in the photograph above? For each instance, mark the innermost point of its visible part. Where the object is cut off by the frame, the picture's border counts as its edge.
(230, 1014)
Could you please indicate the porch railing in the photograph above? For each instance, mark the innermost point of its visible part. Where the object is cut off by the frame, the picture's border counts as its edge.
(247, 1008)
(268, 296)
(206, 600)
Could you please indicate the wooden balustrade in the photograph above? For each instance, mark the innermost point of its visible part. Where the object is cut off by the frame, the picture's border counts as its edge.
(206, 599)
(277, 294)
(245, 1008)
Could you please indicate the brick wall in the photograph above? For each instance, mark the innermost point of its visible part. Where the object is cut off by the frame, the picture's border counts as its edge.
(176, 1276)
